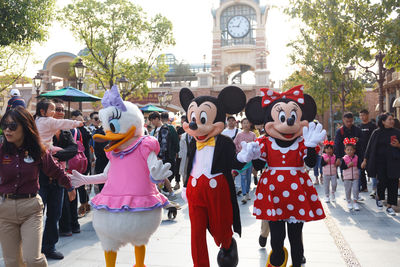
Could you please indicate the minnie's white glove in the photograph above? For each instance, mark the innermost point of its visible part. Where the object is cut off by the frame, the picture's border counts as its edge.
(250, 151)
(78, 179)
(158, 170)
(183, 194)
(313, 135)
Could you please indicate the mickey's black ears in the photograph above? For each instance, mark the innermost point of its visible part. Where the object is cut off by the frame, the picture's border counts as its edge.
(254, 111)
(233, 99)
(309, 108)
(185, 97)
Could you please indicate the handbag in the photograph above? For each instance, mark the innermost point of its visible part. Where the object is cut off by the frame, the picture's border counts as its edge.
(79, 162)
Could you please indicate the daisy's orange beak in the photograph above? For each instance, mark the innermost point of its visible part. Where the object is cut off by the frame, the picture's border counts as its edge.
(116, 139)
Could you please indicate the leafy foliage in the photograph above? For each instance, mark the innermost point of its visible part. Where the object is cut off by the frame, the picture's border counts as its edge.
(13, 63)
(336, 34)
(119, 40)
(24, 21)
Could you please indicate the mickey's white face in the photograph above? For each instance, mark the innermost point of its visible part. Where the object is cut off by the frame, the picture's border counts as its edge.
(287, 124)
(201, 121)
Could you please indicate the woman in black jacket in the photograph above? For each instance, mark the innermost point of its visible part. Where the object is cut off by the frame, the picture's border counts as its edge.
(382, 159)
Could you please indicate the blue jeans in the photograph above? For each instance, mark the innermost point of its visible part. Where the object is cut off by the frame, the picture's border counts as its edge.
(318, 166)
(246, 180)
(52, 195)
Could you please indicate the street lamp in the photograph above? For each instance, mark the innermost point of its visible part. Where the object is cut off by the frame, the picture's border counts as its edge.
(37, 82)
(328, 79)
(123, 84)
(80, 71)
(379, 75)
(346, 84)
(164, 99)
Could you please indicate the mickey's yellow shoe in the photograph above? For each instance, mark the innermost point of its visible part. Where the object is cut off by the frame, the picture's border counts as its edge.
(284, 262)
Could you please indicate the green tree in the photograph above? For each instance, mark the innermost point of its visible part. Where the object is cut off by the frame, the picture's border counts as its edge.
(326, 40)
(24, 21)
(120, 40)
(13, 63)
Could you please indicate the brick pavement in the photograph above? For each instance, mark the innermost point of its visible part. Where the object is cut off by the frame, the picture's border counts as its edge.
(367, 238)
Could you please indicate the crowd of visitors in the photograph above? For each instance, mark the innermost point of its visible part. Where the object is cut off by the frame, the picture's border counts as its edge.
(57, 145)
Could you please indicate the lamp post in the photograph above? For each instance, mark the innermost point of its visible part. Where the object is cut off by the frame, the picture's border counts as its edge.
(380, 76)
(346, 84)
(123, 83)
(328, 79)
(37, 82)
(164, 99)
(80, 71)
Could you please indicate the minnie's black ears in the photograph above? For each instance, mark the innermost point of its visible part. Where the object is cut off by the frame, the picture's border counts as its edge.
(233, 99)
(255, 113)
(185, 97)
(309, 108)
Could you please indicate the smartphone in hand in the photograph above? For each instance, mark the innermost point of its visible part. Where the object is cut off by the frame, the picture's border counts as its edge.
(392, 138)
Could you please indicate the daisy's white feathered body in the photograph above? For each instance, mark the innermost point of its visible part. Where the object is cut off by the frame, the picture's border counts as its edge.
(129, 207)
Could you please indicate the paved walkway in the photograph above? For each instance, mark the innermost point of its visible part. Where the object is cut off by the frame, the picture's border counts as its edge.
(366, 238)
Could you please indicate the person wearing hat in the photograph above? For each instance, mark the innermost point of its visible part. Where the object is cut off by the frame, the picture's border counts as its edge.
(15, 100)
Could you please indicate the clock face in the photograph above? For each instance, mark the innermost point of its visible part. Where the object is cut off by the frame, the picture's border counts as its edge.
(238, 26)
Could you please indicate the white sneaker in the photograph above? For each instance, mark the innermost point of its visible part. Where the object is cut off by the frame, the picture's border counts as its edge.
(244, 200)
(350, 206)
(379, 204)
(248, 196)
(327, 200)
(356, 207)
(360, 198)
(333, 198)
(391, 211)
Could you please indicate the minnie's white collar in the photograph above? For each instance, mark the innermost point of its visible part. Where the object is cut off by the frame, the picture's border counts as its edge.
(285, 150)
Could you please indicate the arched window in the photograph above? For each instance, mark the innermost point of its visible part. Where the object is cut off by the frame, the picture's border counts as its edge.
(238, 25)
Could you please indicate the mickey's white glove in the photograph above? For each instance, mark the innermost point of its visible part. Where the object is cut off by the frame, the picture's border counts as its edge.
(78, 179)
(158, 170)
(183, 194)
(250, 151)
(313, 135)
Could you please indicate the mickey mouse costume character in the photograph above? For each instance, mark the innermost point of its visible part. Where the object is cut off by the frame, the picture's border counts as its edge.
(285, 194)
(210, 189)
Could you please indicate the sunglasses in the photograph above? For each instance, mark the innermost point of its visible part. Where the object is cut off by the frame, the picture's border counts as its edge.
(59, 110)
(12, 126)
(96, 118)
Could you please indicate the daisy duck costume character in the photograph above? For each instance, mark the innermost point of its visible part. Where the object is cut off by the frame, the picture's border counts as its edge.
(129, 208)
(285, 195)
(209, 187)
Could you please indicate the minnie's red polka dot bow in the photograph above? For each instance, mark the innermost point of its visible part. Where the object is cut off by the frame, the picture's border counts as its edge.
(269, 95)
(351, 141)
(327, 142)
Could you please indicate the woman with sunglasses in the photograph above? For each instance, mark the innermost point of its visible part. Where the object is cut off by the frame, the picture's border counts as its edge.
(22, 156)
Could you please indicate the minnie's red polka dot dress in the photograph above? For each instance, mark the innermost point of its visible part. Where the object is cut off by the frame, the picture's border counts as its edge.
(285, 191)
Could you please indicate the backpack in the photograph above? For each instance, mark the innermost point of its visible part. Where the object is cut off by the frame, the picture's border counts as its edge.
(163, 140)
(79, 162)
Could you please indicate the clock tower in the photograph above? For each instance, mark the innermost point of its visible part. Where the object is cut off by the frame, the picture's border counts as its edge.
(239, 41)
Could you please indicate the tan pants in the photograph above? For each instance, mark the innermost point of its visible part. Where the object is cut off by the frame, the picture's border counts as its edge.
(264, 228)
(21, 229)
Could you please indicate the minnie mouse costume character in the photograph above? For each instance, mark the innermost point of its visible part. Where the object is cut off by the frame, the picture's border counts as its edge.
(210, 189)
(285, 193)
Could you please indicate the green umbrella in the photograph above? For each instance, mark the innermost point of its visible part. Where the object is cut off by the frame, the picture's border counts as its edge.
(70, 94)
(152, 108)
